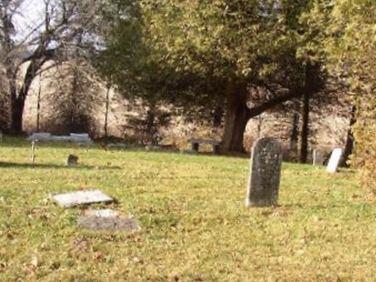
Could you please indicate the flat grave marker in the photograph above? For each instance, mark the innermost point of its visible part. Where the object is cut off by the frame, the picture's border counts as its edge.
(107, 220)
(78, 198)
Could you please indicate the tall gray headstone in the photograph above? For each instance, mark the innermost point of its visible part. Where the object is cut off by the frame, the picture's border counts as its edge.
(266, 162)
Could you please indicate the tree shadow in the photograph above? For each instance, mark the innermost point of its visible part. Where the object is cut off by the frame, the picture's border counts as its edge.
(53, 166)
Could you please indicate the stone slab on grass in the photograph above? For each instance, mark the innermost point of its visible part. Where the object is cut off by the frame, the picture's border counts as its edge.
(78, 198)
(107, 220)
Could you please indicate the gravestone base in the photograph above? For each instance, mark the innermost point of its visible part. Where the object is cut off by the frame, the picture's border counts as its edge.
(261, 203)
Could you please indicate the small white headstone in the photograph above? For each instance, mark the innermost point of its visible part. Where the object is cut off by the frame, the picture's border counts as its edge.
(73, 199)
(334, 160)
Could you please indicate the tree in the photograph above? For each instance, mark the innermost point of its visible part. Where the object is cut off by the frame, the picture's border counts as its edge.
(75, 98)
(53, 38)
(211, 53)
(343, 34)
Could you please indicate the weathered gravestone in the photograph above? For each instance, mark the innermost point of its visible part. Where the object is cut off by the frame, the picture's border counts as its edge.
(81, 138)
(40, 136)
(334, 160)
(73, 199)
(266, 161)
(107, 220)
(72, 160)
(317, 157)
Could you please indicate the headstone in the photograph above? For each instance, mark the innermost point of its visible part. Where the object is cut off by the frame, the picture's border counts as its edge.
(266, 162)
(107, 220)
(73, 199)
(72, 160)
(62, 138)
(81, 138)
(317, 157)
(40, 136)
(334, 160)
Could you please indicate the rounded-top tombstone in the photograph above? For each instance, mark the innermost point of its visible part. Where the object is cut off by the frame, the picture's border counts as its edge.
(265, 175)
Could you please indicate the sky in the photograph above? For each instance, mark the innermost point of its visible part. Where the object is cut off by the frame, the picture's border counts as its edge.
(30, 15)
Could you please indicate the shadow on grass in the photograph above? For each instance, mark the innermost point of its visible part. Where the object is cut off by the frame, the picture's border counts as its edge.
(185, 153)
(54, 166)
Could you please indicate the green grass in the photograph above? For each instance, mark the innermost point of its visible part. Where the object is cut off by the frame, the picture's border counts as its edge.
(194, 223)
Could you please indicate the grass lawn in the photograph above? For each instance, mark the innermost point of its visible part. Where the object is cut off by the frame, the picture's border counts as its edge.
(194, 223)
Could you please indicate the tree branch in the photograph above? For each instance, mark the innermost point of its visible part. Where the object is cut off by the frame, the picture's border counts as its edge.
(257, 110)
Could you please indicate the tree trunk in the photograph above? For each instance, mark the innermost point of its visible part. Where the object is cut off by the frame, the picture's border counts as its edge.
(15, 127)
(349, 141)
(259, 126)
(305, 128)
(238, 114)
(294, 134)
(107, 111)
(74, 122)
(217, 116)
(38, 102)
(312, 84)
(237, 117)
(151, 128)
(17, 115)
(18, 99)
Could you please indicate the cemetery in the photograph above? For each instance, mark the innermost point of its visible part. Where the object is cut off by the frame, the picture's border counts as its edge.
(178, 216)
(164, 140)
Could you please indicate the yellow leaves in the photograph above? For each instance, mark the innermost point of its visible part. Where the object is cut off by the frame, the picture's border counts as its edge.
(268, 69)
(348, 39)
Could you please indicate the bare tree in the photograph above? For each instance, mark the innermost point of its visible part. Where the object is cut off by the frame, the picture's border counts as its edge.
(65, 27)
(76, 96)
